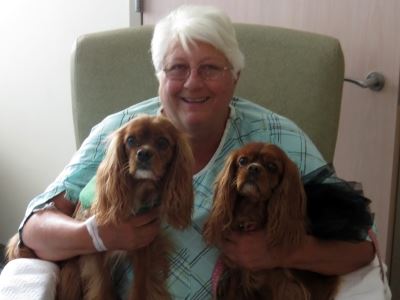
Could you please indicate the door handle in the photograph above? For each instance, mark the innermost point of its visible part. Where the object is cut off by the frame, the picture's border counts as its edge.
(374, 81)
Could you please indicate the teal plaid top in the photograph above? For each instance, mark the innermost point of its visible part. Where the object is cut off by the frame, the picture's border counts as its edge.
(193, 261)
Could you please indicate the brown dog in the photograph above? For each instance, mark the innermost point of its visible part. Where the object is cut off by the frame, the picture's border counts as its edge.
(148, 163)
(260, 188)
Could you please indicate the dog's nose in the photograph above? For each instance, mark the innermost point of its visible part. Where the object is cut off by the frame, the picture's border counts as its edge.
(144, 155)
(254, 169)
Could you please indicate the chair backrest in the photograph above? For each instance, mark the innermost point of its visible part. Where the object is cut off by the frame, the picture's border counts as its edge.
(296, 74)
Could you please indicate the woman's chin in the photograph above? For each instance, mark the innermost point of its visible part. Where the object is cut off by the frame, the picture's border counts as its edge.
(196, 121)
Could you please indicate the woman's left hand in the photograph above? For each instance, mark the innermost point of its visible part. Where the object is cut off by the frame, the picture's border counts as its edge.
(249, 250)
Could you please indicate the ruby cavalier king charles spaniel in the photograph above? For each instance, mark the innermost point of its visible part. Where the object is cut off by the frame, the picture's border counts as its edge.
(260, 188)
(148, 163)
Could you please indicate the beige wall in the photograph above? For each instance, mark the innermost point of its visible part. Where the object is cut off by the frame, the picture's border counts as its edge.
(36, 130)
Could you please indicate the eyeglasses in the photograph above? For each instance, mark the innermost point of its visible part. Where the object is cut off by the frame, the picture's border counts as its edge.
(208, 72)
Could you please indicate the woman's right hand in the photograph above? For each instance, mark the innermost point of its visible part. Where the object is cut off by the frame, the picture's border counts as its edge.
(139, 231)
(54, 235)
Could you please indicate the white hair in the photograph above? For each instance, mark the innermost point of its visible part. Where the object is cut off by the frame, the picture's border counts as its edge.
(190, 23)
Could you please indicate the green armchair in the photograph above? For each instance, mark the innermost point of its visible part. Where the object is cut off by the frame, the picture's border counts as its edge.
(296, 74)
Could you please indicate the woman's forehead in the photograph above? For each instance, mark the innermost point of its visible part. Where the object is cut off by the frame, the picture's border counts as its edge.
(197, 50)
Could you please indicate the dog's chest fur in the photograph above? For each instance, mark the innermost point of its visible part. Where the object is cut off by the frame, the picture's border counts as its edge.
(249, 214)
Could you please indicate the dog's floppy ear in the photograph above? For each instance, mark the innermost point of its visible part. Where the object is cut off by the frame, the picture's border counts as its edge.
(225, 194)
(111, 181)
(178, 197)
(286, 226)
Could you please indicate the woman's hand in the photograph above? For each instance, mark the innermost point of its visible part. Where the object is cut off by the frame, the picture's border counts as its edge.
(54, 235)
(250, 251)
(139, 231)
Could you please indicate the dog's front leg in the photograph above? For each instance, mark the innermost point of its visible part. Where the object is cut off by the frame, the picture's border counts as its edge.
(150, 269)
(69, 285)
(96, 277)
(231, 287)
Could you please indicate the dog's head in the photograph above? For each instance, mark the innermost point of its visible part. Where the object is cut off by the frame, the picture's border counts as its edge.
(147, 156)
(258, 186)
(258, 170)
(147, 146)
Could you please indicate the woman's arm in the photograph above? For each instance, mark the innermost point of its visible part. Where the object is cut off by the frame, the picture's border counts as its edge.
(327, 257)
(331, 257)
(54, 235)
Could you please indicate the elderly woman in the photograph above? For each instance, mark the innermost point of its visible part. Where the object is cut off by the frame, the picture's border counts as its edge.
(197, 61)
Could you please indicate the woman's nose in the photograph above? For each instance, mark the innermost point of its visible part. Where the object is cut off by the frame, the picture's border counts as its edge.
(194, 79)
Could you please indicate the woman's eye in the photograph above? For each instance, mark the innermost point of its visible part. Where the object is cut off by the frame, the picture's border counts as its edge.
(162, 143)
(210, 67)
(177, 68)
(180, 66)
(243, 160)
(131, 142)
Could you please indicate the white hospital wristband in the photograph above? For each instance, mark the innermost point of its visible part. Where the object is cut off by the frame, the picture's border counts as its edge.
(93, 231)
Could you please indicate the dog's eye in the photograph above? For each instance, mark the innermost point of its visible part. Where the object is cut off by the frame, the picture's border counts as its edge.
(132, 142)
(243, 160)
(272, 167)
(162, 143)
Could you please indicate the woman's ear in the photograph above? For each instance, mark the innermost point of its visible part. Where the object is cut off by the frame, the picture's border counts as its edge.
(237, 78)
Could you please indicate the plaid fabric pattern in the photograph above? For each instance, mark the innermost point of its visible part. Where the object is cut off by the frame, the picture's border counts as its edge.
(193, 262)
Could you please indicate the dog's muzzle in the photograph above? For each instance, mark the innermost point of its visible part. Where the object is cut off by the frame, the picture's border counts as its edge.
(144, 155)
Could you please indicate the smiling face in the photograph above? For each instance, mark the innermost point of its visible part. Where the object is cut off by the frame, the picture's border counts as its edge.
(196, 103)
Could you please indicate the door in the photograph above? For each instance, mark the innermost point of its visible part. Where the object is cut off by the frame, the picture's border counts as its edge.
(368, 143)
